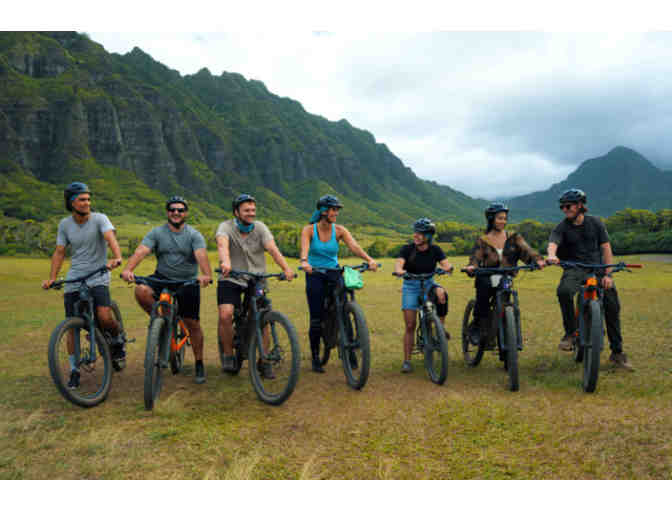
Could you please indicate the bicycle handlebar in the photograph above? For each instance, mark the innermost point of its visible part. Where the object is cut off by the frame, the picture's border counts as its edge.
(501, 270)
(364, 266)
(57, 284)
(144, 280)
(422, 276)
(621, 266)
(258, 276)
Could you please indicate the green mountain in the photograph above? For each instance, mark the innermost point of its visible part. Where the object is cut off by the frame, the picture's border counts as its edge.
(138, 131)
(618, 180)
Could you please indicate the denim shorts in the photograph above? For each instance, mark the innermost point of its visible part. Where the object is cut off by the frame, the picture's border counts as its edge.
(410, 292)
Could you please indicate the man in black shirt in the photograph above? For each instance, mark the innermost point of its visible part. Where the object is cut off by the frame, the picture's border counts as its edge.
(583, 238)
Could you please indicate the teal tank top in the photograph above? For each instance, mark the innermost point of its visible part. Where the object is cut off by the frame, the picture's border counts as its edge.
(323, 254)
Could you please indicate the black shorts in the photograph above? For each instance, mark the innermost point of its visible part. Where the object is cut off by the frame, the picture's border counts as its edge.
(100, 294)
(228, 293)
(188, 297)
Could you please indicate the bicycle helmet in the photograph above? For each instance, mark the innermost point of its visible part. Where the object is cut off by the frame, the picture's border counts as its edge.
(243, 197)
(573, 196)
(424, 226)
(176, 199)
(72, 190)
(328, 201)
(493, 209)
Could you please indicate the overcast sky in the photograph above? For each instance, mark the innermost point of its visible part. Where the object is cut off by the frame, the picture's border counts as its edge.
(490, 113)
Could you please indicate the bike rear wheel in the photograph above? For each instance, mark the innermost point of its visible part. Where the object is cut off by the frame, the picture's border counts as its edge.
(593, 347)
(472, 353)
(95, 375)
(156, 337)
(578, 341)
(177, 357)
(511, 342)
(275, 381)
(436, 350)
(355, 349)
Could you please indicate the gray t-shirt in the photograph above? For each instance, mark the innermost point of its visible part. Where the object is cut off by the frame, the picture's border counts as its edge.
(248, 253)
(175, 251)
(88, 248)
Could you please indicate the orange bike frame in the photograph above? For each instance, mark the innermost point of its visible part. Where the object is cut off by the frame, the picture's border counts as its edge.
(175, 344)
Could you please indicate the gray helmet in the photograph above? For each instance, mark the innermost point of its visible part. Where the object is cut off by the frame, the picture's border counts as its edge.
(74, 189)
(243, 197)
(424, 226)
(573, 196)
(495, 208)
(329, 201)
(176, 199)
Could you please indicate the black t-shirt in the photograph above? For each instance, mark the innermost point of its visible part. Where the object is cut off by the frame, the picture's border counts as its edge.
(421, 261)
(580, 243)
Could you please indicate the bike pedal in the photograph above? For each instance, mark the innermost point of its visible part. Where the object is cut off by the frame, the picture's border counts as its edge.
(130, 340)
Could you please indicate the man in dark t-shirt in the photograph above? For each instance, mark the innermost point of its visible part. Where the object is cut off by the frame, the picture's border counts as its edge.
(583, 238)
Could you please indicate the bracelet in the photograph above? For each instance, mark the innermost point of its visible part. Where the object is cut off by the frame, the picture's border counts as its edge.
(303, 260)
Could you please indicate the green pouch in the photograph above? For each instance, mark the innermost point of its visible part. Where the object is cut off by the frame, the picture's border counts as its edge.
(353, 278)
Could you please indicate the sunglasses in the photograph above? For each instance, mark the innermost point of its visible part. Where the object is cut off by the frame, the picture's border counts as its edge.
(566, 206)
(177, 210)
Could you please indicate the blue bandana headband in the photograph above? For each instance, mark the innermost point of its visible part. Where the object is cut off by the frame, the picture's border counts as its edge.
(318, 214)
(245, 229)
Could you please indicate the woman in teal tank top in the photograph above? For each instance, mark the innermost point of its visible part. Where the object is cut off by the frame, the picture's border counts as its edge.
(319, 248)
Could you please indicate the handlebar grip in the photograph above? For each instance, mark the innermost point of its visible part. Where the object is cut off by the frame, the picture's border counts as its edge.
(637, 266)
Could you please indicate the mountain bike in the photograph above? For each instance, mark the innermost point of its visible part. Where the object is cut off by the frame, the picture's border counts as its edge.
(267, 339)
(503, 321)
(80, 344)
(167, 336)
(588, 342)
(344, 326)
(430, 338)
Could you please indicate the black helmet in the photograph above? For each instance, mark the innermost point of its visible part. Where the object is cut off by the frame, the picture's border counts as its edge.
(573, 196)
(495, 208)
(424, 226)
(243, 197)
(176, 199)
(74, 189)
(329, 201)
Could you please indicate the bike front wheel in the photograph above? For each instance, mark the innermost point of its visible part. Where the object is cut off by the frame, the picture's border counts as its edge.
(275, 371)
(473, 353)
(436, 350)
(355, 348)
(593, 346)
(70, 350)
(511, 342)
(156, 337)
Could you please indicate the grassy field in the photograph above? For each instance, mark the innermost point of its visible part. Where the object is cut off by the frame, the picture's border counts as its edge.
(398, 426)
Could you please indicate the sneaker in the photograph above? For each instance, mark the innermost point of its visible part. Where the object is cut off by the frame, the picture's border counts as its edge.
(474, 334)
(353, 360)
(567, 343)
(74, 379)
(228, 364)
(317, 366)
(199, 376)
(265, 370)
(406, 367)
(118, 354)
(620, 360)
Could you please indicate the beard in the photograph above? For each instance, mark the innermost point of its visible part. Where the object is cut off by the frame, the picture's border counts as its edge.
(176, 224)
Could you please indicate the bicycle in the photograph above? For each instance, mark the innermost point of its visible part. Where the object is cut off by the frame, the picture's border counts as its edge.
(504, 322)
(273, 362)
(344, 326)
(67, 349)
(430, 338)
(589, 336)
(167, 336)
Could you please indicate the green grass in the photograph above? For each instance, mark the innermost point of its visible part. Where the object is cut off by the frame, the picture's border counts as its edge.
(398, 426)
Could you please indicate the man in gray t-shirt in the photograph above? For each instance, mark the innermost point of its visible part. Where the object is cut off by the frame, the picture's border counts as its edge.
(180, 250)
(88, 234)
(241, 244)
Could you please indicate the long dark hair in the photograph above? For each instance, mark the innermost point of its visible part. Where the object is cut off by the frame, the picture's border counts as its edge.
(491, 222)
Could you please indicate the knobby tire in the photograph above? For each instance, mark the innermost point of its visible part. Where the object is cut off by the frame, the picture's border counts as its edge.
(436, 345)
(472, 353)
(511, 342)
(591, 360)
(153, 371)
(355, 344)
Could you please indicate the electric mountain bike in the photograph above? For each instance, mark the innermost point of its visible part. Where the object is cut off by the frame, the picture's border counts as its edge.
(503, 322)
(430, 338)
(267, 339)
(79, 349)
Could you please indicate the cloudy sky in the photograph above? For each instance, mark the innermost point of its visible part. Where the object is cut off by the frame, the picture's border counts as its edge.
(490, 113)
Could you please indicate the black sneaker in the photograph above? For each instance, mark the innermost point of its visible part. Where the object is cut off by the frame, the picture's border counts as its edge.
(74, 380)
(199, 376)
(265, 370)
(353, 360)
(317, 366)
(118, 354)
(229, 364)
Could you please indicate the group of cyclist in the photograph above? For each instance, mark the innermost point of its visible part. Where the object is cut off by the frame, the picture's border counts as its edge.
(242, 241)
